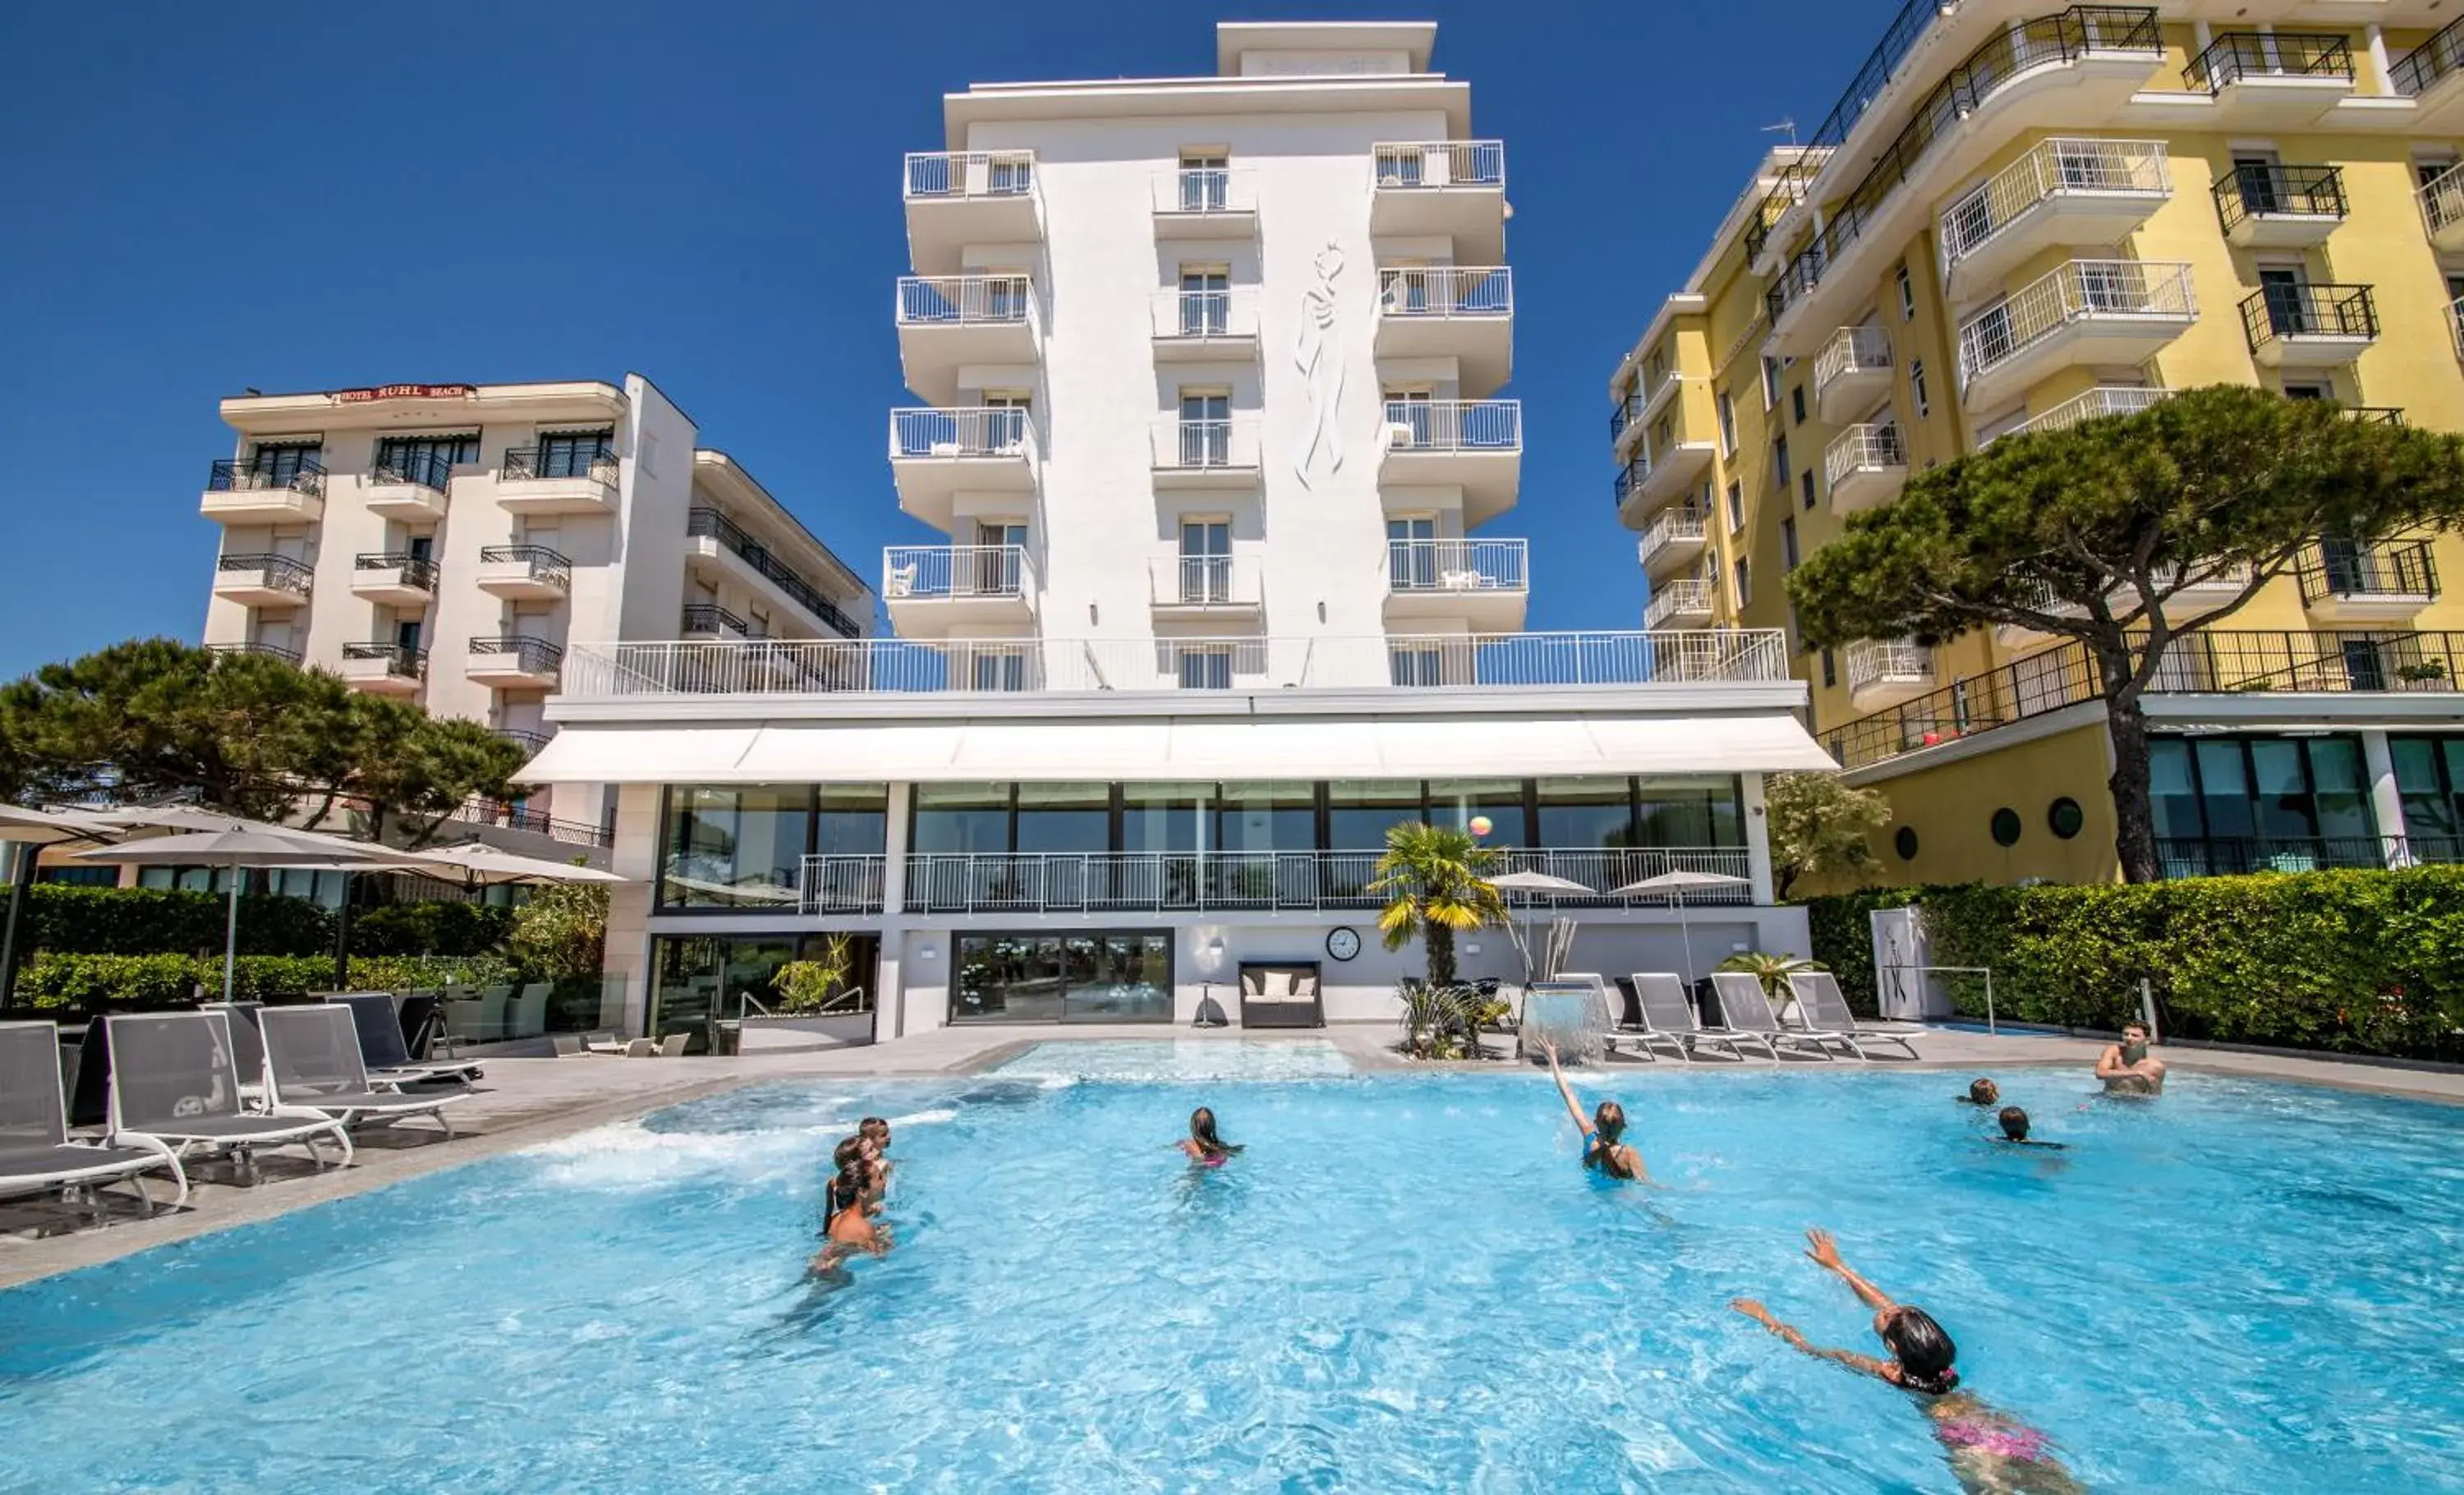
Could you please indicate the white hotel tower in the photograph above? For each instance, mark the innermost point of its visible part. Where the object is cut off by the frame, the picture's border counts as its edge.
(1207, 378)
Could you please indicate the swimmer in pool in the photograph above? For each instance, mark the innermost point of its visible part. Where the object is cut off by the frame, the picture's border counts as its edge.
(1203, 1147)
(1602, 1130)
(2126, 1067)
(851, 1230)
(876, 1131)
(1981, 1092)
(2015, 1129)
(1991, 1452)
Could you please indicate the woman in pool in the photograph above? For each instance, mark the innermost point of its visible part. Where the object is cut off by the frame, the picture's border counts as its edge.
(1602, 1131)
(850, 1229)
(1204, 1148)
(1989, 1452)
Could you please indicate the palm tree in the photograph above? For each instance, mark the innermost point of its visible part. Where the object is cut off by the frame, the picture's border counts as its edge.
(1771, 972)
(1433, 879)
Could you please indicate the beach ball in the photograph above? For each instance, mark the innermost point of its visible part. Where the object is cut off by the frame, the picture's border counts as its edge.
(1480, 825)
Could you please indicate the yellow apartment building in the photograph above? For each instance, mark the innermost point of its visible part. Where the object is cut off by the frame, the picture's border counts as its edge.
(2017, 217)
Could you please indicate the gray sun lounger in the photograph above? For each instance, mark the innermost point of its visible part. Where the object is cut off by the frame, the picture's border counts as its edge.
(1820, 1003)
(311, 1062)
(381, 1048)
(173, 1083)
(1745, 1006)
(1668, 1014)
(36, 1154)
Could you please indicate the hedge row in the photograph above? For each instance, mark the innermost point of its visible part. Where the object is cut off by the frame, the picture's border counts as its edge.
(137, 921)
(2358, 961)
(133, 983)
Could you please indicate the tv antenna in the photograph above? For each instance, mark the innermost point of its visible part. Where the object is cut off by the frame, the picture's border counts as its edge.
(1786, 125)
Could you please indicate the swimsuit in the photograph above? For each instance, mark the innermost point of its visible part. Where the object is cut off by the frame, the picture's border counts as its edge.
(2020, 1444)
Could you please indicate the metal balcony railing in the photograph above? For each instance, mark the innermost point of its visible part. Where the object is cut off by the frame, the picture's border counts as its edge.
(2102, 399)
(941, 175)
(964, 301)
(289, 656)
(939, 572)
(521, 817)
(522, 737)
(2083, 289)
(2052, 168)
(1453, 424)
(1184, 581)
(540, 464)
(1625, 412)
(407, 661)
(2308, 310)
(1439, 291)
(2442, 199)
(276, 573)
(529, 655)
(2257, 190)
(419, 571)
(1458, 566)
(1206, 191)
(1687, 596)
(1413, 165)
(2227, 856)
(1879, 661)
(1851, 350)
(2375, 414)
(304, 475)
(966, 431)
(1229, 313)
(2440, 56)
(549, 566)
(711, 617)
(1863, 448)
(1687, 525)
(1184, 444)
(2388, 568)
(429, 470)
(2236, 56)
(703, 522)
(1628, 477)
(1789, 186)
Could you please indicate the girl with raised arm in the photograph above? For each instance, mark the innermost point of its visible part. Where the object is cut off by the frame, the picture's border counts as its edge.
(1602, 1130)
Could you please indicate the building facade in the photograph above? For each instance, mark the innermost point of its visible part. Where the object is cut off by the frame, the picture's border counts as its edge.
(443, 543)
(1207, 376)
(2019, 216)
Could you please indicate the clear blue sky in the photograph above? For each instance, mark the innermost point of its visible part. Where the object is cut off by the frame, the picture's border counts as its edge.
(199, 198)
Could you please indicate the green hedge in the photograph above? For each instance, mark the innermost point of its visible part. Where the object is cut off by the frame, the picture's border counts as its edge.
(430, 929)
(141, 982)
(140, 921)
(2357, 961)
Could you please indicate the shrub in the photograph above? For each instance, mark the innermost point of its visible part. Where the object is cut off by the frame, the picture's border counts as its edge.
(128, 984)
(432, 929)
(132, 921)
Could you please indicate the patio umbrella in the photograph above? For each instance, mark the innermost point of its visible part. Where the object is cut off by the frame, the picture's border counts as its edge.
(238, 849)
(479, 863)
(1524, 880)
(1676, 884)
(36, 829)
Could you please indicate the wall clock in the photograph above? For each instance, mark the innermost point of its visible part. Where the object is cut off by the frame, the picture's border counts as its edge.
(1342, 943)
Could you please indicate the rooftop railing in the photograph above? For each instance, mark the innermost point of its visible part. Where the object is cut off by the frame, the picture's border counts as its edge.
(709, 523)
(239, 475)
(2234, 56)
(277, 573)
(547, 565)
(2438, 57)
(2082, 288)
(1409, 165)
(941, 175)
(2052, 168)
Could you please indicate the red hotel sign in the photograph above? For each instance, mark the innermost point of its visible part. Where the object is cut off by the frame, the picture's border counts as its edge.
(405, 392)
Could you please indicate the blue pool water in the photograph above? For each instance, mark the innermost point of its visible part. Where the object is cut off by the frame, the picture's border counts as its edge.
(1405, 1283)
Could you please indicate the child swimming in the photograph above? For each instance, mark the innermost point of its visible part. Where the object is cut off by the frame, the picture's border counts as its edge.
(1203, 1147)
(1602, 1146)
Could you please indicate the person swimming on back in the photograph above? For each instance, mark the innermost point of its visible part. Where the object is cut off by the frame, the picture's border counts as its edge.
(2015, 1129)
(1603, 1132)
(2126, 1067)
(1981, 1092)
(1203, 1147)
(1989, 1451)
(851, 1228)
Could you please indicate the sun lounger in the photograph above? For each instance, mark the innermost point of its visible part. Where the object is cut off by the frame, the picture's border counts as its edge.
(1668, 1014)
(247, 1045)
(383, 1052)
(36, 1154)
(1820, 1003)
(173, 1083)
(312, 1060)
(1746, 1007)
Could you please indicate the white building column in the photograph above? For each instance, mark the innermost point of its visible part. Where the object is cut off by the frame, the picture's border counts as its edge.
(2378, 59)
(1758, 867)
(624, 993)
(890, 994)
(2387, 802)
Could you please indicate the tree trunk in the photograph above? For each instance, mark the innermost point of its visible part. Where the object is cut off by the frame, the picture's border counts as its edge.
(2134, 807)
(1442, 952)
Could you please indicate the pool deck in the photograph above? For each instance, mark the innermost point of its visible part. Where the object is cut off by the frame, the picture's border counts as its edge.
(525, 1101)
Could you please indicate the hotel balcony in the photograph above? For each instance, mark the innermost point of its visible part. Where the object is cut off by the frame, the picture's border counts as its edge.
(2272, 206)
(2062, 192)
(2432, 75)
(1193, 453)
(718, 545)
(1863, 467)
(2386, 581)
(244, 491)
(1887, 673)
(1206, 326)
(2271, 79)
(1463, 312)
(523, 573)
(1457, 188)
(262, 580)
(558, 479)
(1206, 202)
(1634, 414)
(2101, 401)
(1674, 542)
(1484, 583)
(945, 321)
(708, 623)
(2210, 586)
(2087, 312)
(1218, 590)
(515, 662)
(2309, 327)
(281, 651)
(956, 198)
(396, 578)
(1852, 374)
(2082, 64)
(936, 454)
(383, 669)
(1474, 445)
(940, 590)
(1649, 481)
(2442, 211)
(1686, 603)
(410, 487)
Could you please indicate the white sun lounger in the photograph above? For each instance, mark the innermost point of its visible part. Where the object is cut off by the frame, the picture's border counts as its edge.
(1820, 1003)
(36, 1154)
(173, 1083)
(311, 1062)
(1746, 1007)
(1667, 1012)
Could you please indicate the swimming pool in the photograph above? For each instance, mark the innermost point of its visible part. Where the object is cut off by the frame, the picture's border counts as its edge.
(1405, 1283)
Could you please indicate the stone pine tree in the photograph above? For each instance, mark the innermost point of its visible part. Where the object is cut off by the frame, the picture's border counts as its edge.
(2085, 534)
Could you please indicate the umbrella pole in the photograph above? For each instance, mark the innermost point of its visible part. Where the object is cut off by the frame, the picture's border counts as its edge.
(231, 933)
(343, 939)
(20, 892)
(1685, 931)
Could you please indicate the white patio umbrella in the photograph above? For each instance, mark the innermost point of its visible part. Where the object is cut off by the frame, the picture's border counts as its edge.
(239, 848)
(1525, 880)
(36, 829)
(480, 863)
(1676, 884)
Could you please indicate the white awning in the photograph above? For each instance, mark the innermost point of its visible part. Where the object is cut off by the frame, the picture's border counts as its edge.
(1177, 749)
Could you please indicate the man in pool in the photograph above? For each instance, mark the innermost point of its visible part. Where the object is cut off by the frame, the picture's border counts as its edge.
(1981, 1092)
(2015, 1129)
(1601, 1130)
(2126, 1067)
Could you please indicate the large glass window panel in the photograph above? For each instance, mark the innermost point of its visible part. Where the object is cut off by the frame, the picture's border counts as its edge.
(2451, 758)
(2282, 798)
(852, 819)
(956, 818)
(2176, 796)
(735, 848)
(2224, 789)
(1164, 817)
(2338, 793)
(696, 978)
(1266, 816)
(1593, 813)
(1065, 817)
(1360, 811)
(1457, 802)
(1689, 811)
(2427, 808)
(1084, 976)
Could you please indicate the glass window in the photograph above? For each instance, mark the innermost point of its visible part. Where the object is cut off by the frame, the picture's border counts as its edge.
(1787, 543)
(2224, 789)
(1359, 812)
(1095, 976)
(1587, 813)
(91, 876)
(958, 818)
(2339, 793)
(573, 453)
(852, 819)
(1065, 817)
(1163, 817)
(1907, 296)
(2427, 808)
(1779, 463)
(1796, 403)
(2283, 790)
(1728, 424)
(735, 848)
(2177, 800)
(1736, 506)
(1917, 387)
(697, 977)
(1459, 801)
(1681, 810)
(1266, 816)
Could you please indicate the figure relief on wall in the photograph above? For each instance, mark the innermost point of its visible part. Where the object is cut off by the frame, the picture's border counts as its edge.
(1320, 358)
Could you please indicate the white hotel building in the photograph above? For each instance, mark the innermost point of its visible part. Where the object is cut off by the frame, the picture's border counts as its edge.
(1207, 378)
